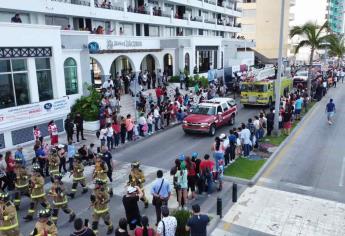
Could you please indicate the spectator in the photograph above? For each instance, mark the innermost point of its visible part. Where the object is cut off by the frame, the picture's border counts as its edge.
(10, 164)
(91, 153)
(81, 229)
(37, 134)
(191, 168)
(3, 178)
(117, 130)
(79, 123)
(298, 107)
(206, 168)
(103, 136)
(161, 193)
(62, 155)
(167, 226)
(150, 123)
(245, 139)
(197, 224)
(108, 83)
(41, 158)
(122, 229)
(69, 128)
(182, 184)
(129, 127)
(157, 117)
(130, 203)
(145, 230)
(218, 150)
(16, 19)
(123, 130)
(53, 132)
(19, 155)
(108, 159)
(82, 151)
(110, 137)
(182, 79)
(270, 122)
(71, 151)
(287, 116)
(142, 124)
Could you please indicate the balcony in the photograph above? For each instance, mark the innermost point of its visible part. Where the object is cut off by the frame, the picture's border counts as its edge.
(76, 2)
(292, 3)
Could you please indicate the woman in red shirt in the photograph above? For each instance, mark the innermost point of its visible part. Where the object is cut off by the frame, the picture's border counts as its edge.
(191, 176)
(10, 169)
(145, 230)
(117, 130)
(206, 168)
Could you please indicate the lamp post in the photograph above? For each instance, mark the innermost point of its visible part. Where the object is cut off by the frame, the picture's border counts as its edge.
(276, 130)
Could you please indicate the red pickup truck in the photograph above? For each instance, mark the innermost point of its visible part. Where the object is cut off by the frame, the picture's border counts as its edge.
(206, 117)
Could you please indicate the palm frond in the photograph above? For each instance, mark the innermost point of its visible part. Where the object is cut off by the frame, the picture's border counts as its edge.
(303, 43)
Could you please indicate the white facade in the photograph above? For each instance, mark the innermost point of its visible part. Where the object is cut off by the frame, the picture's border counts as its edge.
(185, 35)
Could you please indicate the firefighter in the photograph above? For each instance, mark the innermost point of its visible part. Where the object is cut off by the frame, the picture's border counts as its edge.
(8, 217)
(137, 178)
(57, 192)
(44, 226)
(99, 202)
(53, 163)
(78, 176)
(100, 172)
(37, 193)
(21, 182)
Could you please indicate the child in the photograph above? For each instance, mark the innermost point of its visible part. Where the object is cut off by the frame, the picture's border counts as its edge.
(220, 174)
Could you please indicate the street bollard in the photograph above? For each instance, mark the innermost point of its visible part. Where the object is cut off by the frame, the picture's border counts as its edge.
(234, 192)
(219, 207)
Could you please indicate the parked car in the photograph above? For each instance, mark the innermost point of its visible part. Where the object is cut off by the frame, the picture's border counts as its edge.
(209, 115)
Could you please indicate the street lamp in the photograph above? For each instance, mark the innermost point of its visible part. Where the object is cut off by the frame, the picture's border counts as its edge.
(276, 130)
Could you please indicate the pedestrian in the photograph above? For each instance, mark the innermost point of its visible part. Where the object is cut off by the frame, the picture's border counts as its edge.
(218, 150)
(262, 125)
(191, 177)
(19, 155)
(298, 107)
(69, 128)
(167, 226)
(129, 127)
(145, 229)
(287, 116)
(182, 185)
(157, 117)
(232, 147)
(117, 131)
(270, 122)
(108, 159)
(206, 168)
(182, 79)
(110, 135)
(102, 136)
(245, 140)
(41, 157)
(62, 155)
(122, 229)
(330, 109)
(79, 123)
(81, 228)
(142, 124)
(150, 123)
(37, 134)
(197, 224)
(123, 130)
(91, 154)
(71, 151)
(130, 203)
(161, 192)
(4, 182)
(53, 132)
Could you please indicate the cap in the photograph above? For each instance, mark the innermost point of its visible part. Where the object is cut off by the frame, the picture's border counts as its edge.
(131, 189)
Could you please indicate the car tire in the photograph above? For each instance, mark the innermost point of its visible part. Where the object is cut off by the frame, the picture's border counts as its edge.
(186, 131)
(232, 120)
(212, 131)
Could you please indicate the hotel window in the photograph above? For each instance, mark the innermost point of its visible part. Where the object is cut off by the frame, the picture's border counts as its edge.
(6, 17)
(154, 31)
(14, 89)
(57, 20)
(44, 79)
(71, 76)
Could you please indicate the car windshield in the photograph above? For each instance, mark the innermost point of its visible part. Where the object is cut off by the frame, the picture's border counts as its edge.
(254, 88)
(203, 110)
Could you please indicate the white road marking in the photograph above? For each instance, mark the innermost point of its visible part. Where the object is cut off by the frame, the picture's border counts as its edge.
(341, 180)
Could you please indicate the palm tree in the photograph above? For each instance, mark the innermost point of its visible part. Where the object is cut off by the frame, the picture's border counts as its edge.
(337, 48)
(315, 37)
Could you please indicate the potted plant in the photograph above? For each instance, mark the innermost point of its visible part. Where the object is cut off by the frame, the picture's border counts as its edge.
(88, 106)
(182, 217)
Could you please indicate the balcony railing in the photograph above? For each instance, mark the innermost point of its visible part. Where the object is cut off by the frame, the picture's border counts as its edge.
(76, 2)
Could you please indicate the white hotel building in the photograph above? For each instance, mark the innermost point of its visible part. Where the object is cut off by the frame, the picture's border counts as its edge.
(44, 67)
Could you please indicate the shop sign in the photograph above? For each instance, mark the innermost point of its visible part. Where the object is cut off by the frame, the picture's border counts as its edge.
(36, 110)
(111, 44)
(93, 47)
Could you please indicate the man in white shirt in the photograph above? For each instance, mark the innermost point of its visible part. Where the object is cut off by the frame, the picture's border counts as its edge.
(156, 116)
(245, 137)
(110, 134)
(103, 136)
(167, 226)
(107, 84)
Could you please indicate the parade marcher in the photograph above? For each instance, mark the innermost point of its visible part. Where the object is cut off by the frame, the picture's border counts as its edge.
(57, 192)
(137, 178)
(99, 202)
(37, 193)
(78, 176)
(21, 183)
(53, 163)
(8, 217)
(44, 226)
(101, 170)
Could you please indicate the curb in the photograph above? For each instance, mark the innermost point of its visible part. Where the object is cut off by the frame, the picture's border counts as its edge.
(212, 225)
(236, 180)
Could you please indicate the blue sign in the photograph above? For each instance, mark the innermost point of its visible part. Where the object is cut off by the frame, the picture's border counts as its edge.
(48, 106)
(93, 47)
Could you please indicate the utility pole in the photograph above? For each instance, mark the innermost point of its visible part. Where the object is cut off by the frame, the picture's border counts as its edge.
(276, 130)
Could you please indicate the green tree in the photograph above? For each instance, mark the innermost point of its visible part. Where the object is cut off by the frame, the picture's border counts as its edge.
(337, 48)
(313, 36)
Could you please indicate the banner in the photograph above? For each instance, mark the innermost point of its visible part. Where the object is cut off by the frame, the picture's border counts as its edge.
(31, 111)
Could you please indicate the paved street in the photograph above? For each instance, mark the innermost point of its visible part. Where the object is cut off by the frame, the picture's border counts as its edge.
(157, 152)
(302, 192)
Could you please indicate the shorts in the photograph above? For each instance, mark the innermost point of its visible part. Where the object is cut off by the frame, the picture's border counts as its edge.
(191, 182)
(330, 114)
(287, 125)
(298, 111)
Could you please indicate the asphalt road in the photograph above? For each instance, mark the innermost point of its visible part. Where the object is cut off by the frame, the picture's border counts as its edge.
(157, 152)
(313, 162)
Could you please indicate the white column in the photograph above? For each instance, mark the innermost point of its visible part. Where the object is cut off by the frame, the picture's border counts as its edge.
(197, 60)
(8, 139)
(219, 57)
(41, 20)
(181, 59)
(57, 73)
(33, 87)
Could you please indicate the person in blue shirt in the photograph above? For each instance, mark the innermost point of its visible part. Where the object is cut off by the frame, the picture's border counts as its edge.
(19, 155)
(70, 154)
(298, 107)
(330, 109)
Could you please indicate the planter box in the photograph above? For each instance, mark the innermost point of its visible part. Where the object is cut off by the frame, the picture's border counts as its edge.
(91, 125)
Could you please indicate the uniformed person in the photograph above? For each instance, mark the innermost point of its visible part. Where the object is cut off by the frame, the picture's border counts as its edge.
(57, 192)
(44, 226)
(53, 163)
(21, 182)
(99, 202)
(137, 178)
(37, 193)
(78, 176)
(100, 172)
(8, 217)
